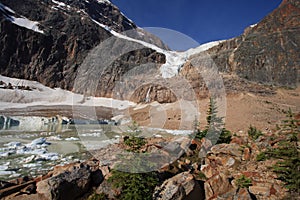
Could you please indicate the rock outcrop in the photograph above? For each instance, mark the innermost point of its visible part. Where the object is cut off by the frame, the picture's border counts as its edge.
(181, 186)
(266, 52)
(70, 184)
(58, 38)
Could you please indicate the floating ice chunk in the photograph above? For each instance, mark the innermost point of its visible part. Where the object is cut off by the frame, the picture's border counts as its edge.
(13, 144)
(54, 138)
(28, 159)
(3, 167)
(14, 175)
(6, 173)
(72, 139)
(32, 165)
(38, 141)
(50, 156)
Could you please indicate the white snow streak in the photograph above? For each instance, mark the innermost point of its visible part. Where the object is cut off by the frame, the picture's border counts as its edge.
(26, 23)
(174, 60)
(21, 21)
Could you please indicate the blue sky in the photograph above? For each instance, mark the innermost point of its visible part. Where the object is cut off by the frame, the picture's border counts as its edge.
(202, 21)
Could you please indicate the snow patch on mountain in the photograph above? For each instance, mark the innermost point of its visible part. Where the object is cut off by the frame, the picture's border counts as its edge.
(45, 96)
(60, 5)
(104, 1)
(3, 8)
(202, 48)
(26, 23)
(21, 21)
(174, 60)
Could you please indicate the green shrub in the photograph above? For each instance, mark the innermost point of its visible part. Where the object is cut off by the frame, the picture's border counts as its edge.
(254, 133)
(132, 138)
(225, 137)
(134, 143)
(243, 182)
(201, 176)
(95, 196)
(261, 156)
(134, 186)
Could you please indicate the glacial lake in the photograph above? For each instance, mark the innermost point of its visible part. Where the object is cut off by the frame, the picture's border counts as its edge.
(33, 148)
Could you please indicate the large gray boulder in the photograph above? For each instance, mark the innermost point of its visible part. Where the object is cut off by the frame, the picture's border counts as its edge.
(70, 184)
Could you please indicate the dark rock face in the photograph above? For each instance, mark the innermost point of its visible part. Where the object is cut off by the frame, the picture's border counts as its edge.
(267, 53)
(70, 33)
(70, 184)
(105, 73)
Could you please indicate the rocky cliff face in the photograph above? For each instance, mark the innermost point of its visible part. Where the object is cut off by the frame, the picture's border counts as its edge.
(47, 41)
(267, 52)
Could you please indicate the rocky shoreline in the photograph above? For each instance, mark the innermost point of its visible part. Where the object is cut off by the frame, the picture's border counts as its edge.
(214, 175)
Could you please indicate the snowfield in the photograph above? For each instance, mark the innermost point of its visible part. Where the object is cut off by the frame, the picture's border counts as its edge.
(45, 96)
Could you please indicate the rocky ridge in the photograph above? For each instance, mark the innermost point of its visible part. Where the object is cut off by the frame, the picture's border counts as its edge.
(59, 35)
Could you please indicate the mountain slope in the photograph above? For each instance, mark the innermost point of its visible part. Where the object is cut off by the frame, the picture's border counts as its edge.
(46, 41)
(267, 52)
(49, 42)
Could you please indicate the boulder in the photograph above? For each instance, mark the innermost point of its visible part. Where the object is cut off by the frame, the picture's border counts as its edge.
(243, 194)
(176, 188)
(260, 191)
(69, 184)
(217, 186)
(228, 149)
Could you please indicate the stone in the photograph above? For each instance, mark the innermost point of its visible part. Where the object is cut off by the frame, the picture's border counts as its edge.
(230, 162)
(242, 194)
(69, 184)
(260, 191)
(175, 188)
(227, 149)
(208, 170)
(246, 154)
(217, 185)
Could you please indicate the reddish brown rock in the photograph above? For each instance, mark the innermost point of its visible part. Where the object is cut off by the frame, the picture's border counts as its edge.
(246, 154)
(242, 194)
(176, 188)
(216, 186)
(260, 191)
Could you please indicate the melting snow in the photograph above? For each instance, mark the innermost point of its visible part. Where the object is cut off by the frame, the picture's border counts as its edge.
(26, 23)
(174, 60)
(3, 7)
(60, 5)
(104, 1)
(42, 95)
(22, 21)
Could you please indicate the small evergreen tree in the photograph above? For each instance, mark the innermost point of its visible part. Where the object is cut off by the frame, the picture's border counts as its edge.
(288, 155)
(132, 138)
(254, 133)
(134, 186)
(243, 182)
(215, 124)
